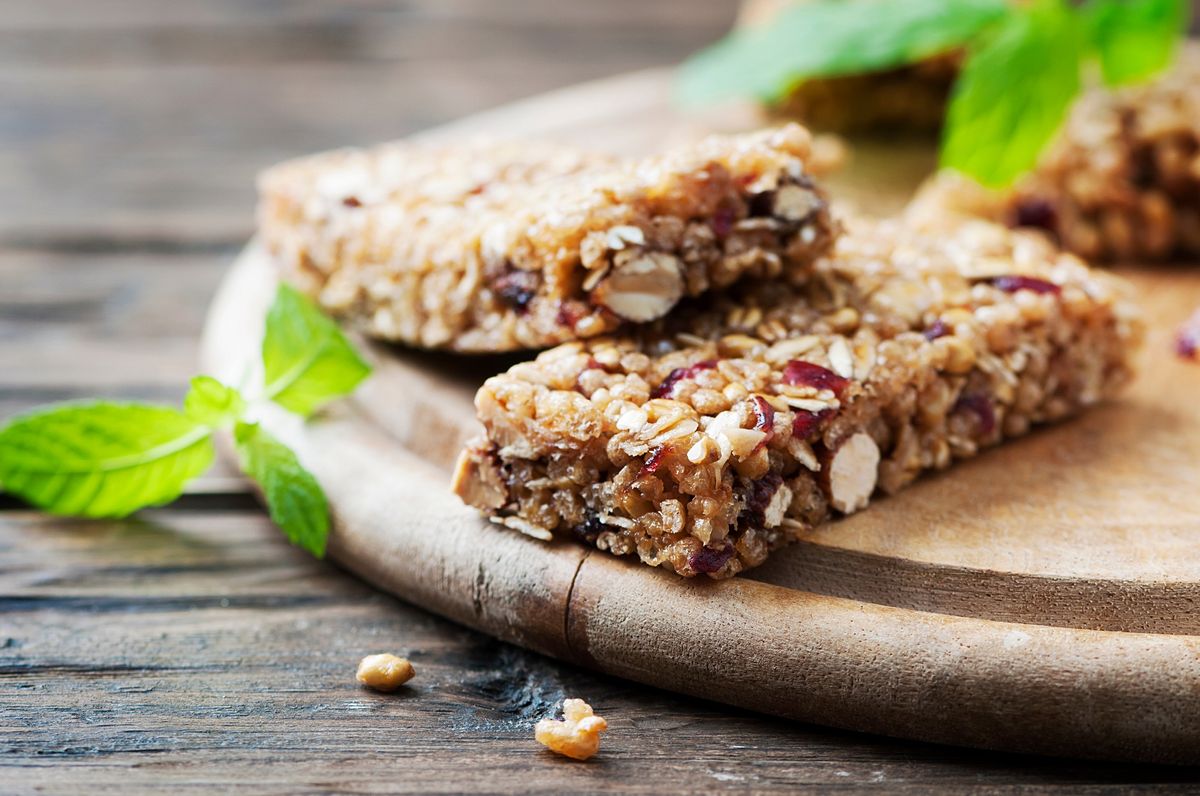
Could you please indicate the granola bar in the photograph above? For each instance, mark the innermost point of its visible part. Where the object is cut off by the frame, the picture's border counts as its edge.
(503, 247)
(724, 432)
(908, 99)
(1121, 181)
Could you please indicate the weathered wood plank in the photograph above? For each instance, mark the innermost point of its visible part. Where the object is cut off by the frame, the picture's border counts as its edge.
(113, 325)
(190, 651)
(134, 122)
(117, 16)
(120, 668)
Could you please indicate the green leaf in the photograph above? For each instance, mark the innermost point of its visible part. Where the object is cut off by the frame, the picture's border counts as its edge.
(1013, 94)
(306, 358)
(212, 403)
(1135, 39)
(102, 459)
(294, 498)
(826, 38)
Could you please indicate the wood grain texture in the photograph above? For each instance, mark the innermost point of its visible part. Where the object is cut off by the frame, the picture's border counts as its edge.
(190, 649)
(151, 119)
(1089, 656)
(190, 652)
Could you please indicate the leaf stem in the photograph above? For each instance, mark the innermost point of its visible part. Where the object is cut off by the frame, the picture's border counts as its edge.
(180, 443)
(292, 374)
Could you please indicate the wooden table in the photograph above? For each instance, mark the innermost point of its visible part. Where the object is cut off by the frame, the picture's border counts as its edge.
(191, 648)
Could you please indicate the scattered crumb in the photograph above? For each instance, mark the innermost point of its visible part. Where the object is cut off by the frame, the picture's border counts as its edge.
(384, 672)
(577, 735)
(1187, 339)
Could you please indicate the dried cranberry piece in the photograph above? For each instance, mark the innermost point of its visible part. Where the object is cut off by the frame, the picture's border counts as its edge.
(516, 288)
(801, 373)
(764, 420)
(1012, 283)
(352, 201)
(722, 221)
(978, 405)
(807, 423)
(707, 560)
(568, 314)
(665, 389)
(654, 461)
(1187, 339)
(1037, 212)
(937, 329)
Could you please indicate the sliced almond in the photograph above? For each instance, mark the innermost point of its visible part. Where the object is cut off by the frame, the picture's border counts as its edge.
(744, 441)
(851, 472)
(776, 510)
(841, 361)
(620, 236)
(478, 481)
(524, 526)
(643, 289)
(795, 203)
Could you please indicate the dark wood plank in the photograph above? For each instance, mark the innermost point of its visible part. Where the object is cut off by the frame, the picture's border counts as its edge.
(117, 324)
(140, 124)
(197, 650)
(191, 649)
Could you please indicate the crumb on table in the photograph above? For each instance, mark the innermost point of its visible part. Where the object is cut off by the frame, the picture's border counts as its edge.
(576, 735)
(384, 672)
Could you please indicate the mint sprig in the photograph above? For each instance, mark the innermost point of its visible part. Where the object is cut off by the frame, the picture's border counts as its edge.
(109, 459)
(1023, 62)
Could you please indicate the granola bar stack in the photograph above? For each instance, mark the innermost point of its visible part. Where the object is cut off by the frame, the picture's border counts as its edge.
(711, 439)
(734, 367)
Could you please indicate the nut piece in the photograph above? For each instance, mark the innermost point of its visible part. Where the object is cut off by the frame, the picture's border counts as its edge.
(384, 672)
(851, 472)
(794, 203)
(643, 289)
(478, 482)
(577, 735)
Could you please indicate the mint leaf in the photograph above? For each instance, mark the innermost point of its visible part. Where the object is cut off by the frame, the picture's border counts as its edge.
(306, 358)
(212, 403)
(294, 498)
(102, 459)
(1013, 94)
(1135, 39)
(826, 38)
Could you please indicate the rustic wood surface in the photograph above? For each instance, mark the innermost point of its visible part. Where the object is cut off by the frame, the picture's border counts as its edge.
(1016, 604)
(189, 648)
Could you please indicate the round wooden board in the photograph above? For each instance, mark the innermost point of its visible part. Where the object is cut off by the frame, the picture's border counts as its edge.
(1041, 597)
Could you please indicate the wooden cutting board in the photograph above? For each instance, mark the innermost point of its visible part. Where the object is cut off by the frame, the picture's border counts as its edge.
(1043, 597)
